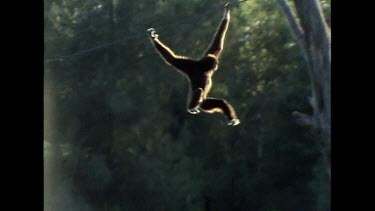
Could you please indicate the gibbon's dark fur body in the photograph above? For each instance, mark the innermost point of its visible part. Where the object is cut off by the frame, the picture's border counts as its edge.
(199, 72)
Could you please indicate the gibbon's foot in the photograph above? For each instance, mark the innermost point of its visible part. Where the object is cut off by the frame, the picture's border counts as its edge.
(193, 110)
(152, 33)
(234, 122)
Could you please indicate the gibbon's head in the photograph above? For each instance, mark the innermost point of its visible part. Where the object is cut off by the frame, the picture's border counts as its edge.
(210, 62)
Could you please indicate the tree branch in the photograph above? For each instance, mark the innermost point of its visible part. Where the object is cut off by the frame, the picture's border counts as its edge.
(296, 28)
(304, 119)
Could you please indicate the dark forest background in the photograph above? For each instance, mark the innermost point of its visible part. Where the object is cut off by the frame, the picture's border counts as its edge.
(117, 135)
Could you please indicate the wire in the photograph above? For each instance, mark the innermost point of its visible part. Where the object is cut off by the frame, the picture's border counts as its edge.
(62, 58)
(239, 2)
(136, 35)
(88, 28)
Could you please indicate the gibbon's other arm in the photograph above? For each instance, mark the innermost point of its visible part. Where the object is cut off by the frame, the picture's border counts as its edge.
(180, 62)
(217, 44)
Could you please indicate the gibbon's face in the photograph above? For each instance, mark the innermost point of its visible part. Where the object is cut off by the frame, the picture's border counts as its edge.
(211, 62)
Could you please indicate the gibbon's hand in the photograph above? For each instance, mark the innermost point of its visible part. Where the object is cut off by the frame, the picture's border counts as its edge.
(226, 12)
(152, 33)
(227, 6)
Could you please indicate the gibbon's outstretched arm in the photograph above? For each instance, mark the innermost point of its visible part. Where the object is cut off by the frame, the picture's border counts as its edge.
(164, 51)
(180, 62)
(217, 44)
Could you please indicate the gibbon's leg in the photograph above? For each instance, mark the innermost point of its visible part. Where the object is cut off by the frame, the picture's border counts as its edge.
(198, 95)
(217, 44)
(196, 99)
(212, 105)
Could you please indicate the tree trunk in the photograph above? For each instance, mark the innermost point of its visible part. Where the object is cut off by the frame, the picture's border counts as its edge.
(314, 39)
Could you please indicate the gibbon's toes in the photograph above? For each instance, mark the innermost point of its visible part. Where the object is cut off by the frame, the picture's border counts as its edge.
(150, 30)
(234, 122)
(193, 110)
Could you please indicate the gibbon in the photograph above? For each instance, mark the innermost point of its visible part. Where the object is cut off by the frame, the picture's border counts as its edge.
(199, 72)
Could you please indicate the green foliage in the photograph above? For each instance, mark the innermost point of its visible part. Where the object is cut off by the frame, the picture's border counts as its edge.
(117, 134)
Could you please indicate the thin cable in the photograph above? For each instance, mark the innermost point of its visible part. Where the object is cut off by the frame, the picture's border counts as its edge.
(242, 1)
(119, 20)
(63, 57)
(88, 28)
(60, 58)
